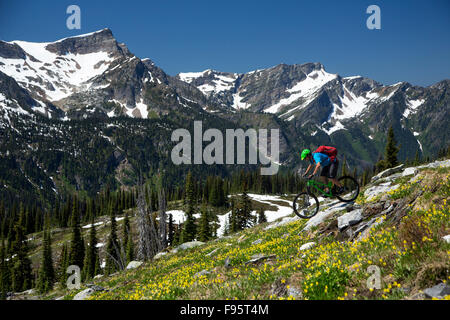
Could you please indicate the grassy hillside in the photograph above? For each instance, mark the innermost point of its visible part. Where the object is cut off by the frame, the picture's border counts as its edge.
(401, 231)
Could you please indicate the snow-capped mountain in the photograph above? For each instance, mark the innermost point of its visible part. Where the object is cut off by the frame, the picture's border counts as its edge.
(313, 100)
(93, 75)
(88, 75)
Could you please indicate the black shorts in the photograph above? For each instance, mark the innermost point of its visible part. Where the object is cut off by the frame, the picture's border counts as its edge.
(330, 171)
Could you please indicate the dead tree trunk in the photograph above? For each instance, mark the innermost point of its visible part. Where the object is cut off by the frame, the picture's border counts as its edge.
(148, 244)
(162, 218)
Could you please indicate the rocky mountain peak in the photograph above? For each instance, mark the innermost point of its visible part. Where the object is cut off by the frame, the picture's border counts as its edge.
(102, 40)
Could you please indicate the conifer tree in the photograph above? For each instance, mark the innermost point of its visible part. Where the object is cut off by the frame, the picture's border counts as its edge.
(126, 230)
(262, 216)
(244, 217)
(189, 229)
(391, 150)
(76, 256)
(92, 260)
(130, 249)
(233, 218)
(5, 276)
(417, 158)
(113, 255)
(47, 272)
(21, 270)
(63, 265)
(204, 233)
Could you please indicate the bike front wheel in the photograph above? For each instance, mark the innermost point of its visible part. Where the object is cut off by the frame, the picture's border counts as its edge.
(350, 191)
(305, 205)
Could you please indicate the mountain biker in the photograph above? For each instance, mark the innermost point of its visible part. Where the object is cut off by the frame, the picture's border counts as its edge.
(329, 167)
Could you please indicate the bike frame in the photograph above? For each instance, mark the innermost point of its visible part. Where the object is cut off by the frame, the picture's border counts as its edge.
(316, 185)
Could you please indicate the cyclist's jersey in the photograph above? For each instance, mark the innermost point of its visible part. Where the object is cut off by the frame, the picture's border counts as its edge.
(322, 158)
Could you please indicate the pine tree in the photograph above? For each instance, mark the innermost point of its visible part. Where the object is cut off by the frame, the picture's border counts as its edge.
(233, 218)
(92, 260)
(47, 272)
(189, 229)
(130, 249)
(204, 233)
(417, 158)
(244, 217)
(391, 151)
(21, 270)
(63, 265)
(76, 256)
(261, 216)
(5, 276)
(113, 254)
(126, 230)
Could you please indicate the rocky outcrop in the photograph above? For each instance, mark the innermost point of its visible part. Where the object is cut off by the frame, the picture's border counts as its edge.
(134, 265)
(188, 245)
(387, 172)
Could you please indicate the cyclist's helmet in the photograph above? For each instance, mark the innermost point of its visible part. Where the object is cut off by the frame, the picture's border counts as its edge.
(305, 153)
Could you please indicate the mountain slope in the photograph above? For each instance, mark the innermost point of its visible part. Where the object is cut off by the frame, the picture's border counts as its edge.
(400, 224)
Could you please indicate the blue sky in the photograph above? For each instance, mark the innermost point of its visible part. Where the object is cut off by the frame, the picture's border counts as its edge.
(239, 36)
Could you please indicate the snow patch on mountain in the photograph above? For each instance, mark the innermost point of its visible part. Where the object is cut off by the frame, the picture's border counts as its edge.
(351, 105)
(57, 75)
(412, 106)
(305, 89)
(237, 102)
(191, 76)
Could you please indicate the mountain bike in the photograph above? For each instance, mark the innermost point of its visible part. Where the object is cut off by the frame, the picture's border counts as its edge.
(306, 204)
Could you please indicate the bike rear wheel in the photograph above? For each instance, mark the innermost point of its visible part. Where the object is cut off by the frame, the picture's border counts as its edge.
(305, 205)
(351, 189)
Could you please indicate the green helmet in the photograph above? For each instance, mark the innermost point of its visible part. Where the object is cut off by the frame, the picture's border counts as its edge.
(305, 153)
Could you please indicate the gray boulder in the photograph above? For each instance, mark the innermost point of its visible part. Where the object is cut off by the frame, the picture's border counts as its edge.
(159, 255)
(259, 241)
(349, 219)
(83, 295)
(257, 258)
(439, 291)
(188, 245)
(201, 273)
(446, 238)
(134, 265)
(227, 262)
(307, 246)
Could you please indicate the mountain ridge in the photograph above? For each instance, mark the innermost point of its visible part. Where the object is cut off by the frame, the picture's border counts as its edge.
(94, 78)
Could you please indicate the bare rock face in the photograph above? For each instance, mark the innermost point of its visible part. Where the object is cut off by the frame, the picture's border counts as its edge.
(98, 41)
(11, 51)
(387, 172)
